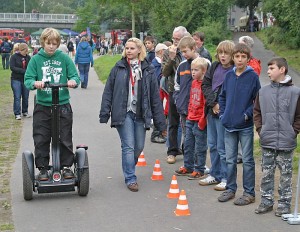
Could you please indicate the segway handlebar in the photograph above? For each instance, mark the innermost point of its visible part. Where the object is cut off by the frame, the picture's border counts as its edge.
(55, 85)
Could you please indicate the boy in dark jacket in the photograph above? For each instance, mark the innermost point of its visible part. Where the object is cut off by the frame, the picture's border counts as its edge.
(277, 121)
(239, 90)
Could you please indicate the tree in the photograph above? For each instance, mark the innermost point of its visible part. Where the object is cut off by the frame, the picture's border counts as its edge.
(251, 4)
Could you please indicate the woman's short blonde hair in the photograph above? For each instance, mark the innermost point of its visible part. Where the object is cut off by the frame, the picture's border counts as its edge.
(83, 39)
(15, 48)
(23, 46)
(140, 45)
(50, 34)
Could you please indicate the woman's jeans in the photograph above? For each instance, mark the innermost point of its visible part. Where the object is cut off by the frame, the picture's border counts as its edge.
(132, 134)
(216, 144)
(19, 90)
(195, 147)
(84, 74)
(232, 139)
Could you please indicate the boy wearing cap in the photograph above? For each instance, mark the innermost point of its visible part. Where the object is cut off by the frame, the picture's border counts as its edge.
(156, 136)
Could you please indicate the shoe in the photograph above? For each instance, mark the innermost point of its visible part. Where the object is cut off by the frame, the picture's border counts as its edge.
(207, 170)
(18, 117)
(133, 187)
(226, 196)
(220, 187)
(67, 173)
(262, 208)
(282, 210)
(209, 180)
(182, 171)
(158, 139)
(43, 175)
(26, 115)
(245, 199)
(195, 176)
(171, 159)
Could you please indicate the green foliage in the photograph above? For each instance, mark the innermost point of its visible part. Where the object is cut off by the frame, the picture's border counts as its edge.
(214, 32)
(104, 64)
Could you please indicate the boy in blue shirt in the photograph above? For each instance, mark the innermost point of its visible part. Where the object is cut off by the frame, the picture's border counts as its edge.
(239, 90)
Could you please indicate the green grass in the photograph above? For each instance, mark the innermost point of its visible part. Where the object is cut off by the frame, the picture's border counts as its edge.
(7, 227)
(104, 64)
(291, 55)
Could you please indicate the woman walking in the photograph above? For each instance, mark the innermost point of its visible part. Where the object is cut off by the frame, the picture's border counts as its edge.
(131, 99)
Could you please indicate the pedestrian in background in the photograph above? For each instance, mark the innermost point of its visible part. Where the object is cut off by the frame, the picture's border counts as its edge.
(18, 65)
(84, 59)
(277, 104)
(5, 50)
(203, 52)
(131, 99)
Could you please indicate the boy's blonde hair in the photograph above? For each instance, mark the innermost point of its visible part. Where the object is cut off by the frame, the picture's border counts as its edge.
(225, 46)
(140, 45)
(200, 62)
(187, 42)
(50, 34)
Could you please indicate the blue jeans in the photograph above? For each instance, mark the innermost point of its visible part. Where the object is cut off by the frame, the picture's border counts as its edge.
(132, 134)
(19, 90)
(84, 74)
(232, 140)
(5, 60)
(216, 144)
(195, 147)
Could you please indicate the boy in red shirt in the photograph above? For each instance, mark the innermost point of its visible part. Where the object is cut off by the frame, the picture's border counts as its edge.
(195, 144)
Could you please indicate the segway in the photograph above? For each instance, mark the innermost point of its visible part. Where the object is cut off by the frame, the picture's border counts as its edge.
(56, 182)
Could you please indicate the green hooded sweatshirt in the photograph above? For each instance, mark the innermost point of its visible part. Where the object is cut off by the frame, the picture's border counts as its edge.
(57, 68)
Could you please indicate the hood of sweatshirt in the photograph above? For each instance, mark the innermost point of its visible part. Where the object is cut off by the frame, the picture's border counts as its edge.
(84, 45)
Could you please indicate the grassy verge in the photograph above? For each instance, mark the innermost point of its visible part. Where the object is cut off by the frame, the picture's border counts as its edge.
(10, 131)
(291, 55)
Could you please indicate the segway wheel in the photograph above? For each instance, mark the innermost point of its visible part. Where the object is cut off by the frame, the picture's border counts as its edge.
(84, 181)
(27, 181)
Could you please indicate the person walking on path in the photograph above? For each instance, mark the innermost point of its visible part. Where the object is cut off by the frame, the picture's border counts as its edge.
(236, 100)
(5, 50)
(131, 99)
(18, 66)
(277, 121)
(84, 59)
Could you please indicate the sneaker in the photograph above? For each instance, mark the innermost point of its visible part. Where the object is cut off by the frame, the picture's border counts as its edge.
(26, 115)
(43, 175)
(195, 175)
(245, 199)
(262, 208)
(18, 117)
(207, 170)
(67, 173)
(182, 171)
(158, 139)
(220, 187)
(209, 180)
(133, 187)
(226, 196)
(171, 159)
(282, 210)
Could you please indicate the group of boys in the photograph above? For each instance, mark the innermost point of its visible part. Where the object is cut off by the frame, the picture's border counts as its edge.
(216, 105)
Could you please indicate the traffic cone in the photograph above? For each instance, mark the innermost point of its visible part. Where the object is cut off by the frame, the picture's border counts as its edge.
(141, 161)
(157, 175)
(182, 208)
(174, 190)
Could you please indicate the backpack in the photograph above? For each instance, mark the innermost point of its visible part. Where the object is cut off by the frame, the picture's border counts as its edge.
(70, 46)
(255, 64)
(5, 48)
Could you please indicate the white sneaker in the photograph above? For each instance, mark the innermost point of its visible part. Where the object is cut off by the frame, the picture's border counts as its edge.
(209, 180)
(221, 186)
(207, 170)
(26, 115)
(18, 117)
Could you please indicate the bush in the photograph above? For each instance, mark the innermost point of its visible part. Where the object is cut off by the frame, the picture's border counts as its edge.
(215, 32)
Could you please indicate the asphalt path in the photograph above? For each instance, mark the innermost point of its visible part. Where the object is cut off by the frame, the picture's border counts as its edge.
(110, 206)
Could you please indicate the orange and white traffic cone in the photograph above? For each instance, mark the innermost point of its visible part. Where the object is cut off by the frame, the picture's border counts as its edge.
(182, 208)
(157, 174)
(174, 189)
(141, 161)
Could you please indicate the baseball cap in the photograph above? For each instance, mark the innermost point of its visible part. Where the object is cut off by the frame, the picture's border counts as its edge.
(160, 46)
